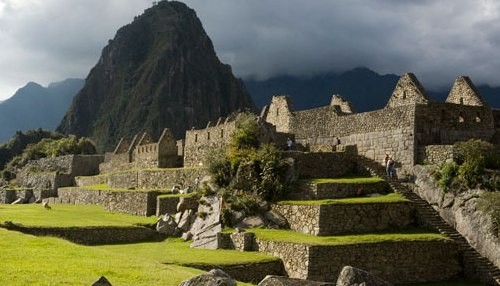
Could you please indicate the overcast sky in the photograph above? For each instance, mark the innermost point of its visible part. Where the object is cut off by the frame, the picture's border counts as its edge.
(50, 40)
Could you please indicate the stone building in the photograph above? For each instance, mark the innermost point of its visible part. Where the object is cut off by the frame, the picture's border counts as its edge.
(408, 127)
(142, 152)
(412, 128)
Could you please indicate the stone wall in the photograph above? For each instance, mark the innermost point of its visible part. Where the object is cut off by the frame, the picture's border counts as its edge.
(249, 273)
(294, 256)
(44, 183)
(397, 262)
(85, 181)
(446, 123)
(92, 235)
(130, 202)
(333, 164)
(75, 165)
(8, 196)
(115, 162)
(167, 204)
(312, 191)
(375, 133)
(333, 219)
(156, 179)
(199, 143)
(435, 154)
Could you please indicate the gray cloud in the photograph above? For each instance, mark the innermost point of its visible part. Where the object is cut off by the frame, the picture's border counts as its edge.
(48, 40)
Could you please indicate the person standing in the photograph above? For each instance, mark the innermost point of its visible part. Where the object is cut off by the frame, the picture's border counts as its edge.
(289, 144)
(390, 167)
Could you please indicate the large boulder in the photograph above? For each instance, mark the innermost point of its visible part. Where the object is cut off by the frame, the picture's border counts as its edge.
(207, 224)
(351, 276)
(214, 277)
(166, 225)
(272, 280)
(102, 281)
(185, 219)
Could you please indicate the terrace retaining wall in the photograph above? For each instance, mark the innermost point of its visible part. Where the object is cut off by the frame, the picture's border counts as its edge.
(396, 262)
(332, 219)
(141, 203)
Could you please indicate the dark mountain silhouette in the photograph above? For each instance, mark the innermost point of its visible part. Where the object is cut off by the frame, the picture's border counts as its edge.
(159, 71)
(34, 106)
(364, 88)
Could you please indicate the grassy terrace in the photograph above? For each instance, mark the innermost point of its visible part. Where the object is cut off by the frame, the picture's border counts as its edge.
(389, 198)
(347, 180)
(105, 187)
(68, 215)
(413, 234)
(65, 263)
(176, 251)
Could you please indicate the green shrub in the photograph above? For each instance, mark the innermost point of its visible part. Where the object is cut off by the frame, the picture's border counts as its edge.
(472, 150)
(489, 203)
(471, 172)
(447, 174)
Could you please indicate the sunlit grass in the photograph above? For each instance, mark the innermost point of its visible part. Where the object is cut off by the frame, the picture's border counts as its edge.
(389, 236)
(176, 251)
(62, 215)
(347, 180)
(383, 199)
(30, 260)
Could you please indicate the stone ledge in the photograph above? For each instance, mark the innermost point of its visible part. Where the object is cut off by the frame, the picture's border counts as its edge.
(249, 272)
(332, 219)
(94, 235)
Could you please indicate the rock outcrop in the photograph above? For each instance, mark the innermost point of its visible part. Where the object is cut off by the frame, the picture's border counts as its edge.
(351, 276)
(214, 277)
(160, 71)
(462, 212)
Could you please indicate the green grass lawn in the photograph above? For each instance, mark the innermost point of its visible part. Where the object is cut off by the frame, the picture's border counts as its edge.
(394, 236)
(30, 260)
(347, 180)
(176, 251)
(68, 215)
(389, 198)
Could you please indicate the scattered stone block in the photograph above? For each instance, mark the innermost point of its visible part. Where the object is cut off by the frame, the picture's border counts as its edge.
(102, 281)
(276, 219)
(351, 276)
(214, 277)
(166, 225)
(272, 280)
(252, 221)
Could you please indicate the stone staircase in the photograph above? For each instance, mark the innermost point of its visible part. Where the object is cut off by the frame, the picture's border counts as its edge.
(430, 260)
(475, 266)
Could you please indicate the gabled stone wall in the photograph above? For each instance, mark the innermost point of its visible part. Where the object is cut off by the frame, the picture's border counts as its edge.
(199, 143)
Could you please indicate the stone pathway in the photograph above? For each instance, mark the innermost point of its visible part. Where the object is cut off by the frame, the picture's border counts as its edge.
(475, 265)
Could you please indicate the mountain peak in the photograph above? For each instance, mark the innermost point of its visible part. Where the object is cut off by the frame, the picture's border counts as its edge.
(160, 71)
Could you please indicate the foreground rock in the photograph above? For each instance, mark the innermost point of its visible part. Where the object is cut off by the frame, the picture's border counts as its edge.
(214, 277)
(285, 281)
(102, 281)
(207, 224)
(351, 276)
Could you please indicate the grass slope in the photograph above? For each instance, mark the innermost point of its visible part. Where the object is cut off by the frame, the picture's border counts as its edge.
(68, 215)
(414, 234)
(347, 180)
(176, 251)
(30, 260)
(383, 199)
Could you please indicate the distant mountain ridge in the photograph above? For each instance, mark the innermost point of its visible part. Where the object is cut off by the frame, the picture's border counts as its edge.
(34, 106)
(159, 71)
(364, 88)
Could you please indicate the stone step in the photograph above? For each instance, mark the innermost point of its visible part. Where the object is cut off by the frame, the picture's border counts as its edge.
(323, 189)
(330, 219)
